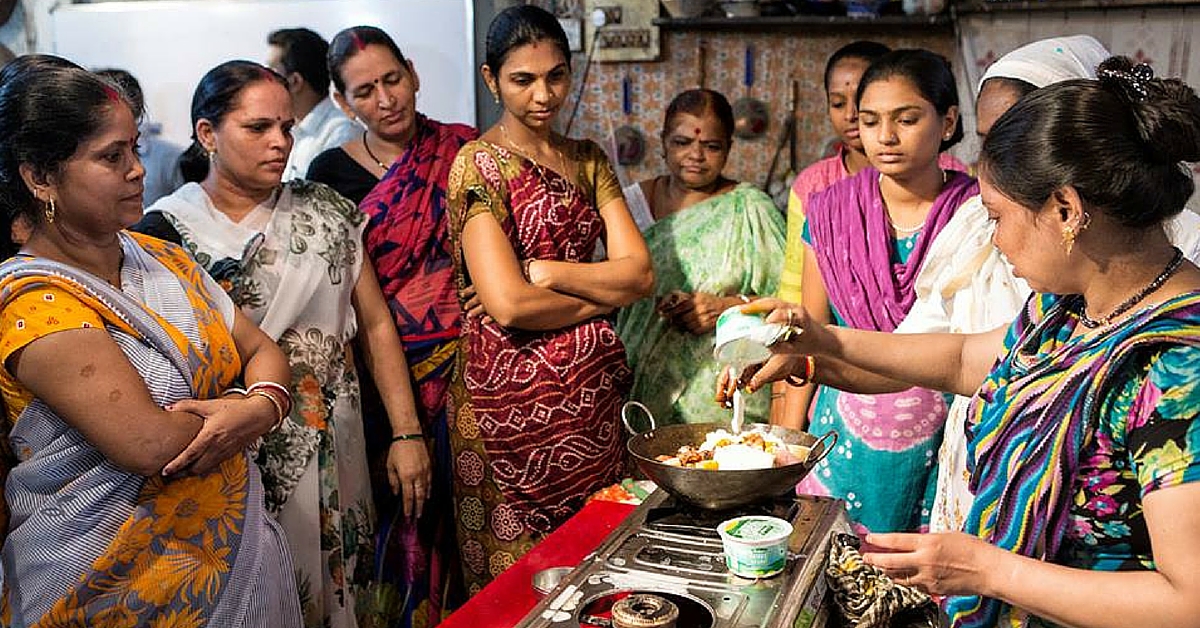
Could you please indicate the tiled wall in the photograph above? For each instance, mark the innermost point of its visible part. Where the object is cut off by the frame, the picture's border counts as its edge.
(780, 57)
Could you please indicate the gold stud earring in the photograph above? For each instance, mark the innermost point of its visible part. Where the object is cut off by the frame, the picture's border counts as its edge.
(496, 97)
(50, 211)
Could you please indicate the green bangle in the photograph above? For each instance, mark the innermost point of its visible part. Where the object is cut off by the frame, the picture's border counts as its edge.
(417, 436)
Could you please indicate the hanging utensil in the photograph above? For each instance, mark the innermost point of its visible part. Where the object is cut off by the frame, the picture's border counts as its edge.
(749, 114)
(631, 144)
(777, 186)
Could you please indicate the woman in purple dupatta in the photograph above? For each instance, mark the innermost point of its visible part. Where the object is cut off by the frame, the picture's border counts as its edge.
(866, 238)
(406, 240)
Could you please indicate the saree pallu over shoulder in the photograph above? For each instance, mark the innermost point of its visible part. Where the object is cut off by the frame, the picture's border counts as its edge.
(1037, 414)
(188, 550)
(853, 245)
(407, 233)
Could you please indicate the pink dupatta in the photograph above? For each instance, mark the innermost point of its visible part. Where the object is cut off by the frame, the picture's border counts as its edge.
(853, 243)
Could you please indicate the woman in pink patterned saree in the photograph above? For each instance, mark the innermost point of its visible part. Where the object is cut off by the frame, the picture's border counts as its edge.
(541, 375)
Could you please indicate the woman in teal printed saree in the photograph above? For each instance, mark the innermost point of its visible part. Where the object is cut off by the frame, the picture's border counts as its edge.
(130, 490)
(715, 243)
(1083, 437)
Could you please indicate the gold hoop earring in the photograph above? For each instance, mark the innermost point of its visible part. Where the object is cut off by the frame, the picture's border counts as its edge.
(50, 211)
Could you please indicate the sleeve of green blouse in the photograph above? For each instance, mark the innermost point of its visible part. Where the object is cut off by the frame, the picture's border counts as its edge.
(1164, 435)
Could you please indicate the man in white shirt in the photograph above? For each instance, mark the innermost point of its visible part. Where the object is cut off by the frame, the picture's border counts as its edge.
(298, 54)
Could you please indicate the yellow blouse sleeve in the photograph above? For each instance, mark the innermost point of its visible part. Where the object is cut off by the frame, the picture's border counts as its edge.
(41, 312)
(476, 185)
(793, 258)
(27, 317)
(598, 172)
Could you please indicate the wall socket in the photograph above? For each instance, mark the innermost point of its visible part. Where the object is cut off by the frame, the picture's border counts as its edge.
(612, 15)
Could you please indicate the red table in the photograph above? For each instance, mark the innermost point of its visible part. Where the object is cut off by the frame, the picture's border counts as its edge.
(504, 602)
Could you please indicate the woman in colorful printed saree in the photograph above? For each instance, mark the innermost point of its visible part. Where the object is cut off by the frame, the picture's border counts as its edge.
(866, 238)
(541, 375)
(407, 240)
(1084, 435)
(133, 500)
(714, 243)
(290, 256)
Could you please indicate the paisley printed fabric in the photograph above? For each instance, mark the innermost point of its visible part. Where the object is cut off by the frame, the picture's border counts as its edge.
(535, 428)
(1070, 434)
(90, 544)
(296, 259)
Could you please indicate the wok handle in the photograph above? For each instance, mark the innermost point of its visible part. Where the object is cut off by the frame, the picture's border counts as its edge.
(825, 451)
(625, 416)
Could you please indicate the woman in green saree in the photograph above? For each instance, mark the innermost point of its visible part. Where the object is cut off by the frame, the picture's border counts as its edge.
(715, 243)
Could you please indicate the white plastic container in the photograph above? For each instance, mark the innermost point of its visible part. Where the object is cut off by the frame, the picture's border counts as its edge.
(755, 545)
(744, 339)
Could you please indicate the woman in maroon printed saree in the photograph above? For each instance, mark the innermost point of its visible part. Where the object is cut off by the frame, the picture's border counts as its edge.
(542, 374)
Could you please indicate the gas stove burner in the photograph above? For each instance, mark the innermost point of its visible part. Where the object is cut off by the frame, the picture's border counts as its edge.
(670, 550)
(599, 611)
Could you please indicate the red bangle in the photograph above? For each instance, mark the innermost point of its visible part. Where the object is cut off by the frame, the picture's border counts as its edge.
(810, 369)
(278, 394)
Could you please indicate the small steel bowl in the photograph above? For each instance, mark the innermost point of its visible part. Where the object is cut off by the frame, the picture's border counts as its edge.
(545, 580)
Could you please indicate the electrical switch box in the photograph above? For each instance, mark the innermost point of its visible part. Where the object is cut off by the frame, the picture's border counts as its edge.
(621, 30)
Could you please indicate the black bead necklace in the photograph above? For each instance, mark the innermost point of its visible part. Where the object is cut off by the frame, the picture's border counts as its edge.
(370, 154)
(1093, 323)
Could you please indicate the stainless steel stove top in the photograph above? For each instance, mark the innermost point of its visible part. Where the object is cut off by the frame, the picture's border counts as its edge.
(675, 552)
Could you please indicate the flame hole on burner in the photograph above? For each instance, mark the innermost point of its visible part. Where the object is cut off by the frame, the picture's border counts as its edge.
(692, 612)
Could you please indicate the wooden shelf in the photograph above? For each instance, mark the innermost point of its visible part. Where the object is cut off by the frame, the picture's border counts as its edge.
(806, 22)
(974, 7)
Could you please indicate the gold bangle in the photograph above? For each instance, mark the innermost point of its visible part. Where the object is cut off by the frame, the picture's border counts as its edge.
(279, 414)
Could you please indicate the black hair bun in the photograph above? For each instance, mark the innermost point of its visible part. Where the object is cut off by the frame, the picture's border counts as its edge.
(1167, 111)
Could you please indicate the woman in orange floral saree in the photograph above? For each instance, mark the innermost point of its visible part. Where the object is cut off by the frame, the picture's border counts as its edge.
(90, 543)
(132, 497)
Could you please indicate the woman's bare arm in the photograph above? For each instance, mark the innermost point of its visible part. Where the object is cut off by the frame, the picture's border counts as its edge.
(86, 379)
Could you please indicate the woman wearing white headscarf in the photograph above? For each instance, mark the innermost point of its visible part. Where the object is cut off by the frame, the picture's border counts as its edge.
(966, 286)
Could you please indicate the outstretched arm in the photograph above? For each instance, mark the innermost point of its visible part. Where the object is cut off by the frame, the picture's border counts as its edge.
(1167, 597)
(857, 359)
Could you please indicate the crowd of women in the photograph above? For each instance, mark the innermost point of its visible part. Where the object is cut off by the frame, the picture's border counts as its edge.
(354, 399)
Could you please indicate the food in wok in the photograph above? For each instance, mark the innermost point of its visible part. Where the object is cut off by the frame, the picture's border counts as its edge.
(749, 449)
